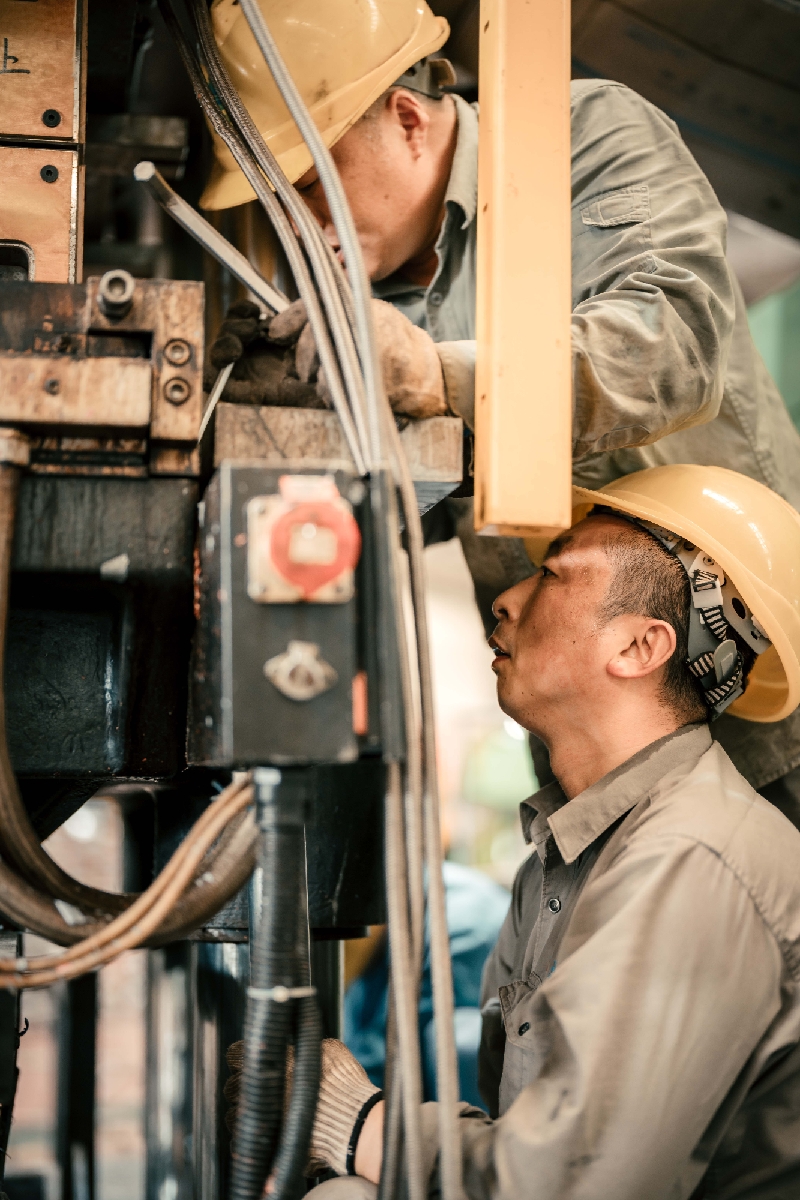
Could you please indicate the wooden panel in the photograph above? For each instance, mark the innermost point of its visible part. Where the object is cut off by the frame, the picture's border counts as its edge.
(39, 68)
(433, 448)
(43, 215)
(523, 379)
(111, 392)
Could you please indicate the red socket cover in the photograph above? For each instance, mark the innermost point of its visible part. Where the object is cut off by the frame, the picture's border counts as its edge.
(313, 543)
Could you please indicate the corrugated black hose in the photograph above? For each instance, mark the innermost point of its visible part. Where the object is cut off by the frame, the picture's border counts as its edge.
(292, 1157)
(276, 970)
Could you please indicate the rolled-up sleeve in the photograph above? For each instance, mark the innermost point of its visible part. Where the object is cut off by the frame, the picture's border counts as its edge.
(653, 304)
(668, 978)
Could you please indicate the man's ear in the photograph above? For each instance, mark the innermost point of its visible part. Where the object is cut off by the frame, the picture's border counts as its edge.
(644, 645)
(413, 118)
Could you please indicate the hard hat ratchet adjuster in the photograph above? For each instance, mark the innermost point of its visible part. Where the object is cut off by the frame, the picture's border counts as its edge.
(713, 656)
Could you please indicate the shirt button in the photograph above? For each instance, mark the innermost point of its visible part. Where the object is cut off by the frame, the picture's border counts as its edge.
(523, 1029)
(554, 905)
(436, 298)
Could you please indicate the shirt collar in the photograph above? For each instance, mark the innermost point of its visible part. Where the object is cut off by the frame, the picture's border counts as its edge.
(576, 823)
(462, 187)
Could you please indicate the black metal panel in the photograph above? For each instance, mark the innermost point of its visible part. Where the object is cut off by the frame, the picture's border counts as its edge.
(239, 718)
(344, 846)
(97, 666)
(66, 656)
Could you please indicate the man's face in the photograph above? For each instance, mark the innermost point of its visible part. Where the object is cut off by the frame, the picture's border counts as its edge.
(550, 644)
(387, 171)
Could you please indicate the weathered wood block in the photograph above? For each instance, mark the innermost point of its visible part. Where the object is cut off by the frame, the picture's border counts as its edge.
(434, 447)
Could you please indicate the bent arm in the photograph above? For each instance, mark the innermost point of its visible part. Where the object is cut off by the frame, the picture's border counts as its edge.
(653, 303)
(652, 296)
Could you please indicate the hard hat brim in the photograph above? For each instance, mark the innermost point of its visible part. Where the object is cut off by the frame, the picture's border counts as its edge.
(773, 689)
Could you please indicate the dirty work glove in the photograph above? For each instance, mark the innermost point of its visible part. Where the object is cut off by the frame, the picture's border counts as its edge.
(264, 371)
(412, 373)
(345, 1098)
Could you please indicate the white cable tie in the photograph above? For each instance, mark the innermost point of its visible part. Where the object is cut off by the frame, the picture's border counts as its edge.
(280, 994)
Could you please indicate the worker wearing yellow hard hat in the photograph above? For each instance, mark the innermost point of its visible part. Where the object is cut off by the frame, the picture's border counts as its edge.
(343, 56)
(641, 1023)
(664, 367)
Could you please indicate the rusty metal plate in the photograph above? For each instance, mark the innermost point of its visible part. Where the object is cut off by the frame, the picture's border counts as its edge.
(40, 84)
(173, 310)
(39, 208)
(90, 392)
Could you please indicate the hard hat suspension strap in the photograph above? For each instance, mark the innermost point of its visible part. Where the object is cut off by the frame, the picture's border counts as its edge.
(429, 77)
(713, 656)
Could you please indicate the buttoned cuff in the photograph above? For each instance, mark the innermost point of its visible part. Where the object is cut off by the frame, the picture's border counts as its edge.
(458, 371)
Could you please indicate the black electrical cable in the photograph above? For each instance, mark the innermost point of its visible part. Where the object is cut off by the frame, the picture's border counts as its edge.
(274, 965)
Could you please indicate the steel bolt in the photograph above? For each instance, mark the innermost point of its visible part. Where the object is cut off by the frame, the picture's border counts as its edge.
(177, 390)
(115, 293)
(53, 387)
(177, 352)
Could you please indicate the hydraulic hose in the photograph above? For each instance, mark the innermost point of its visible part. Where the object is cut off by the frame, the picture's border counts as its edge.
(277, 973)
(148, 913)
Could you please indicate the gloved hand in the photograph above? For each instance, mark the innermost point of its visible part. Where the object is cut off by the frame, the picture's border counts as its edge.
(279, 359)
(344, 1090)
(264, 371)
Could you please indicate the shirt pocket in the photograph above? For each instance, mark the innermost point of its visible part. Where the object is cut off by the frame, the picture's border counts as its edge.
(611, 239)
(625, 206)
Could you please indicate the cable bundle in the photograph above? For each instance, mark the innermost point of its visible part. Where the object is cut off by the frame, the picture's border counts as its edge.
(340, 315)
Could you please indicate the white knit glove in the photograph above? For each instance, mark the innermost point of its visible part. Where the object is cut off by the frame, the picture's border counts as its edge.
(345, 1097)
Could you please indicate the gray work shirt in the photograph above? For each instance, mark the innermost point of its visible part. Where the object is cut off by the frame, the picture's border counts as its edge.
(664, 367)
(642, 1005)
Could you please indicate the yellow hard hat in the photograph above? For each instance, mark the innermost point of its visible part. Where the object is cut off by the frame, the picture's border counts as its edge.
(342, 54)
(750, 537)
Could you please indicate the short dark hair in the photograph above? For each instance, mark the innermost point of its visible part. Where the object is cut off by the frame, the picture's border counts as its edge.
(650, 581)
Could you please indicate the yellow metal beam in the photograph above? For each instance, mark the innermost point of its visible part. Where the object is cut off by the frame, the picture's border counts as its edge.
(523, 381)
